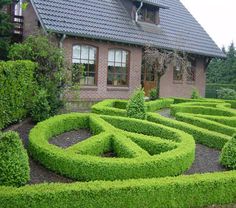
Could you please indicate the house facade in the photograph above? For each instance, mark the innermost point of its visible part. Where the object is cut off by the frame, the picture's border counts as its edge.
(104, 43)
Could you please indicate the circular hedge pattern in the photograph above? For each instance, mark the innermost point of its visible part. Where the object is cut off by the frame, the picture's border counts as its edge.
(144, 149)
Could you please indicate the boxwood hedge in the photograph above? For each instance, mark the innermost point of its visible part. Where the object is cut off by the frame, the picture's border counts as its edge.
(16, 88)
(228, 155)
(175, 192)
(14, 162)
(82, 161)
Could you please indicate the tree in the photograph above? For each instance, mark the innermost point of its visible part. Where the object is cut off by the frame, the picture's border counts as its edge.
(160, 61)
(5, 29)
(136, 105)
(223, 71)
(49, 74)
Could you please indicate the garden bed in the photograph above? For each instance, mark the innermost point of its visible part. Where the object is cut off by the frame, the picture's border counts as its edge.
(207, 159)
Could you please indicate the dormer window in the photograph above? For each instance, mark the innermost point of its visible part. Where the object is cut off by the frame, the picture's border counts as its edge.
(147, 11)
(148, 14)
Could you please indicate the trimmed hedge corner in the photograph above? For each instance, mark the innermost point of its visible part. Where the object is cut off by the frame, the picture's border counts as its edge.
(16, 87)
(14, 161)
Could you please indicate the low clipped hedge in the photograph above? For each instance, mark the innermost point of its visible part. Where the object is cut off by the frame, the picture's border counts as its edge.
(228, 155)
(205, 123)
(118, 107)
(14, 162)
(197, 190)
(81, 161)
(16, 86)
(177, 192)
(201, 135)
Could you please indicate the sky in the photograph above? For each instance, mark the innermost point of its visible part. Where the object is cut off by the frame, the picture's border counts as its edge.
(218, 18)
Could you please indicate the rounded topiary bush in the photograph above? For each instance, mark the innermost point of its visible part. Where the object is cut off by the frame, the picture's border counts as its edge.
(228, 155)
(136, 105)
(14, 161)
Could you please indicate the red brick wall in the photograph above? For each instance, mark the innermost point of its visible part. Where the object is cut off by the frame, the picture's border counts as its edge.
(102, 91)
(30, 22)
(170, 88)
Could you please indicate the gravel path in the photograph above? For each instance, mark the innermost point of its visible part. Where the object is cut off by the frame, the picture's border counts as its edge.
(166, 113)
(206, 161)
(70, 138)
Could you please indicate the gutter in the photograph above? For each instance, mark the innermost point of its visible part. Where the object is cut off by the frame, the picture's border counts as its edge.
(140, 7)
(62, 40)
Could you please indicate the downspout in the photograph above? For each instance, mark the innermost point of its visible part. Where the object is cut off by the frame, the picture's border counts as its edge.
(62, 40)
(140, 7)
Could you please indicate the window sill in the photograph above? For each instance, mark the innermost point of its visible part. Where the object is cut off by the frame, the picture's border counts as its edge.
(118, 88)
(89, 87)
(190, 82)
(178, 82)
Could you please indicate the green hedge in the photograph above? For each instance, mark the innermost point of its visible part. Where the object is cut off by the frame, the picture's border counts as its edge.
(111, 133)
(14, 162)
(16, 85)
(176, 192)
(211, 89)
(205, 123)
(228, 155)
(118, 107)
(201, 135)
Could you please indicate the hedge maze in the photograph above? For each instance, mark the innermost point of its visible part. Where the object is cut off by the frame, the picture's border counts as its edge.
(151, 156)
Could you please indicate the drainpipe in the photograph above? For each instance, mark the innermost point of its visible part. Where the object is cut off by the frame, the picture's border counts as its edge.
(62, 40)
(140, 7)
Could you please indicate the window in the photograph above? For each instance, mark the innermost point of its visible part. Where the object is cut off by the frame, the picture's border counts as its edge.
(18, 8)
(84, 65)
(177, 73)
(148, 14)
(118, 67)
(191, 71)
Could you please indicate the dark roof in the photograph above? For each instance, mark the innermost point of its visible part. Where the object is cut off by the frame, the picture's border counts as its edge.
(109, 20)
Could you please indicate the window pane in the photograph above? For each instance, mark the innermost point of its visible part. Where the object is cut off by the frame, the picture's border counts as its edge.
(76, 52)
(111, 56)
(91, 67)
(84, 52)
(91, 62)
(75, 61)
(118, 56)
(178, 74)
(84, 61)
(84, 71)
(111, 69)
(110, 79)
(117, 67)
(124, 57)
(92, 53)
(118, 64)
(150, 16)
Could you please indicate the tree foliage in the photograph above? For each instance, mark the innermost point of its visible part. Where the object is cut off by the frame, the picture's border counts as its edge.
(160, 61)
(5, 30)
(136, 105)
(223, 71)
(49, 74)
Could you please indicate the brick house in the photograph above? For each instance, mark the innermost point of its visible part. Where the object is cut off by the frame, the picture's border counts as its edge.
(107, 38)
